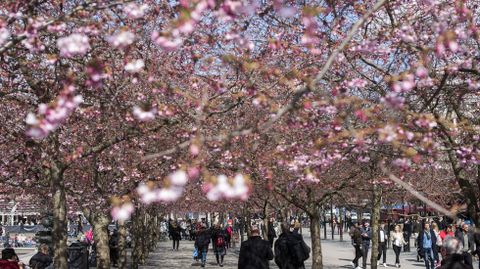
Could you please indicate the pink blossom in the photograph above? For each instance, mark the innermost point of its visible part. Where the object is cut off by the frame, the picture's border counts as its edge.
(387, 133)
(50, 117)
(421, 72)
(135, 66)
(122, 39)
(166, 43)
(178, 178)
(135, 11)
(143, 115)
(123, 212)
(72, 45)
(240, 188)
(4, 35)
(287, 12)
(356, 83)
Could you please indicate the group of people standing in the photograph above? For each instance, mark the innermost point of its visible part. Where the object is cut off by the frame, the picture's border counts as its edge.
(439, 248)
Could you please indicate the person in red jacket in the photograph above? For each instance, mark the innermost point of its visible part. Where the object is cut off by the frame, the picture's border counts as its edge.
(447, 232)
(10, 260)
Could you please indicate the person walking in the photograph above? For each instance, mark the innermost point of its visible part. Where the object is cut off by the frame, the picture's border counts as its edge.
(202, 241)
(366, 233)
(465, 236)
(229, 231)
(476, 239)
(398, 241)
(407, 233)
(439, 241)
(356, 236)
(271, 232)
(255, 252)
(287, 247)
(382, 244)
(176, 235)
(113, 244)
(453, 258)
(426, 241)
(41, 259)
(219, 238)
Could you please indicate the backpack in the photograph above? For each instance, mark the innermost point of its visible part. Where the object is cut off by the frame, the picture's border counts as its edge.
(220, 242)
(299, 251)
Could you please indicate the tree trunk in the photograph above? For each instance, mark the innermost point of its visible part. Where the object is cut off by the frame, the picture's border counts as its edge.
(137, 229)
(100, 223)
(59, 233)
(265, 220)
(377, 195)
(315, 231)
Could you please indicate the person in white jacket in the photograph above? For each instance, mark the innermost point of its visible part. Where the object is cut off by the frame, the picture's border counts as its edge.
(398, 241)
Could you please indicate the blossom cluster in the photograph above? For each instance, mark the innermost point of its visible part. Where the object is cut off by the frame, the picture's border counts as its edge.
(122, 212)
(73, 45)
(51, 116)
(173, 189)
(223, 187)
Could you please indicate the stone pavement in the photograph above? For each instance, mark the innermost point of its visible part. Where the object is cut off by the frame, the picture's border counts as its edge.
(336, 255)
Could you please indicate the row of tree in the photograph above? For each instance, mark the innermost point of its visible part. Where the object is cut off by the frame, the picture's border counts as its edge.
(303, 101)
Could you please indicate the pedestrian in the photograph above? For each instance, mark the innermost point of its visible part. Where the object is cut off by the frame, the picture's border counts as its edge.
(287, 249)
(382, 244)
(447, 232)
(219, 239)
(439, 242)
(356, 236)
(271, 232)
(10, 260)
(202, 241)
(398, 241)
(255, 252)
(113, 246)
(366, 233)
(407, 233)
(176, 235)
(476, 238)
(41, 259)
(229, 231)
(454, 258)
(465, 236)
(416, 228)
(426, 241)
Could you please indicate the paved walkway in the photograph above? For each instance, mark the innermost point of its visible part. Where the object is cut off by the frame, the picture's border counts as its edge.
(336, 255)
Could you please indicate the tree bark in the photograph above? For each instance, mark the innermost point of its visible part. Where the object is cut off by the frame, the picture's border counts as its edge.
(265, 220)
(122, 245)
(100, 223)
(59, 233)
(315, 231)
(377, 195)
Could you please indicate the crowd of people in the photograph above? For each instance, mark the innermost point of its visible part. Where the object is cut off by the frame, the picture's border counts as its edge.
(438, 244)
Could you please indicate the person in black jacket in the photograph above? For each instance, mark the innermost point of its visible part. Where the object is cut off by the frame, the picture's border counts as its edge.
(454, 258)
(255, 252)
(356, 236)
(382, 244)
(476, 239)
(219, 240)
(202, 241)
(285, 247)
(113, 245)
(41, 260)
(271, 232)
(176, 235)
(466, 238)
(366, 233)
